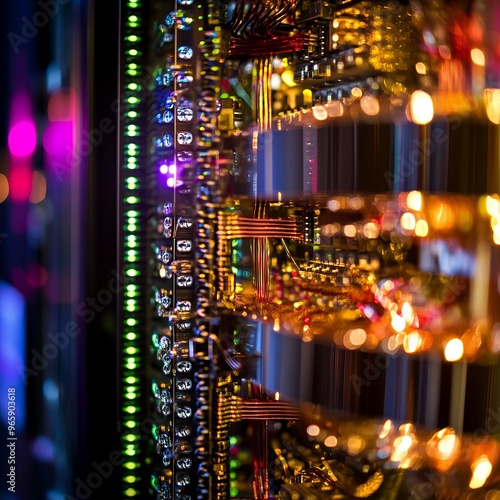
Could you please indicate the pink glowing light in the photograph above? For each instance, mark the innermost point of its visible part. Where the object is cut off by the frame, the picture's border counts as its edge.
(20, 179)
(22, 138)
(172, 169)
(164, 169)
(58, 137)
(170, 182)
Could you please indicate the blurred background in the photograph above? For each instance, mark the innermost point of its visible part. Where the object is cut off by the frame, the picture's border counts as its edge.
(58, 246)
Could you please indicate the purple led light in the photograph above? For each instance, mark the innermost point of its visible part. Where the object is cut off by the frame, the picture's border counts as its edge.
(164, 168)
(170, 182)
(22, 138)
(172, 169)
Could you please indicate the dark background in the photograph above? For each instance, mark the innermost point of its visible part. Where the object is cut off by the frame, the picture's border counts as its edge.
(69, 429)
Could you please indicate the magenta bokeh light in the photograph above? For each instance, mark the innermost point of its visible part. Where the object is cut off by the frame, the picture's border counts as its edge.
(58, 138)
(22, 138)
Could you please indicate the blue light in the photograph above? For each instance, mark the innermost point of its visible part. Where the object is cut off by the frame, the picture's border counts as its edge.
(13, 369)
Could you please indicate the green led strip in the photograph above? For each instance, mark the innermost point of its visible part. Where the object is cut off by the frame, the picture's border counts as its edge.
(131, 360)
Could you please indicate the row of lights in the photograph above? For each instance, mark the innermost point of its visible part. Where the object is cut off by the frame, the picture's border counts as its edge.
(402, 449)
(131, 359)
(413, 214)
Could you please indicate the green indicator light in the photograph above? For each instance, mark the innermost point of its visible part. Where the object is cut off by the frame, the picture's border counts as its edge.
(133, 19)
(132, 273)
(131, 244)
(131, 322)
(130, 424)
(132, 86)
(131, 389)
(132, 199)
(224, 95)
(131, 366)
(130, 492)
(131, 396)
(131, 409)
(132, 127)
(234, 464)
(131, 302)
(131, 133)
(131, 258)
(133, 360)
(131, 380)
(133, 52)
(130, 453)
(132, 100)
(233, 475)
(131, 237)
(131, 166)
(131, 350)
(132, 294)
(132, 38)
(132, 252)
(131, 308)
(132, 72)
(130, 479)
(233, 440)
(132, 65)
(132, 228)
(233, 492)
(131, 288)
(131, 336)
(131, 465)
(131, 437)
(132, 220)
(132, 146)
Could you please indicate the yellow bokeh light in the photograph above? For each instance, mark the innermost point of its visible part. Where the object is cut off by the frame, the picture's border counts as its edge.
(481, 470)
(412, 342)
(357, 337)
(477, 56)
(414, 200)
(319, 112)
(4, 188)
(288, 78)
(370, 105)
(331, 441)
(350, 231)
(454, 350)
(408, 221)
(421, 68)
(493, 205)
(402, 444)
(313, 430)
(421, 107)
(422, 228)
(398, 323)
